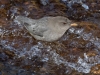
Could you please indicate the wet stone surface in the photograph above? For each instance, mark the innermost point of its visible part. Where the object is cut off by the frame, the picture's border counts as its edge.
(76, 53)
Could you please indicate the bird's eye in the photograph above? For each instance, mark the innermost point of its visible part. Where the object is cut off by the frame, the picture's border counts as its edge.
(64, 23)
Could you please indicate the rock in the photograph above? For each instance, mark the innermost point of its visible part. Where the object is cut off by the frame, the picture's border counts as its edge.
(46, 28)
(44, 2)
(96, 69)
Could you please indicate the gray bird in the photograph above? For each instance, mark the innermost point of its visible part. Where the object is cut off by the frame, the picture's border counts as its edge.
(46, 28)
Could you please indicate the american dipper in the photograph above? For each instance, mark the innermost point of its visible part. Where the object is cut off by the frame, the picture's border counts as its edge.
(46, 28)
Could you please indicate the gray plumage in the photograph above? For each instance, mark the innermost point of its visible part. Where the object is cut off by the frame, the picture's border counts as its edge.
(46, 28)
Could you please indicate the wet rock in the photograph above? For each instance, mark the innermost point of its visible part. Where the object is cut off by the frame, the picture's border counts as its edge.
(6, 69)
(91, 53)
(96, 69)
(44, 2)
(3, 57)
(3, 13)
(4, 2)
(77, 52)
(9, 53)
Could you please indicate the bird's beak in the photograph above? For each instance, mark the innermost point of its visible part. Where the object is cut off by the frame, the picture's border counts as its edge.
(74, 24)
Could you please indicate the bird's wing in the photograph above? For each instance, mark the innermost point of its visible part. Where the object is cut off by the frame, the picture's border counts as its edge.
(39, 31)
